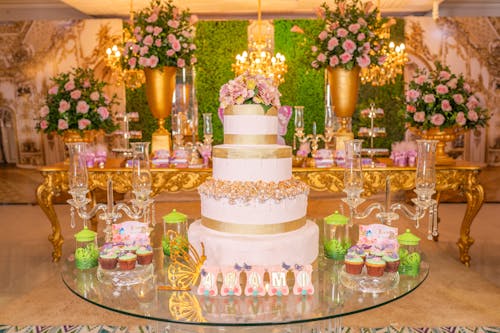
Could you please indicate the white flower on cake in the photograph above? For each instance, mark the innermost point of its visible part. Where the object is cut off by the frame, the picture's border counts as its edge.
(249, 89)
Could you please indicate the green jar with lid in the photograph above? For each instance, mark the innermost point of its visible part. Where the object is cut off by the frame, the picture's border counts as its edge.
(410, 255)
(86, 252)
(175, 230)
(337, 236)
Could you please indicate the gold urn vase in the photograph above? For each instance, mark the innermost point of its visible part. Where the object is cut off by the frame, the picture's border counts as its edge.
(442, 135)
(72, 136)
(344, 88)
(160, 87)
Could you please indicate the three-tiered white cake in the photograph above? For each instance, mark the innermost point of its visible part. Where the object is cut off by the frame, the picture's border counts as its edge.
(253, 210)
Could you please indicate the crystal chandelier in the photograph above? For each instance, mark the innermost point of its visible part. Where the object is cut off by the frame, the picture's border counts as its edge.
(131, 78)
(396, 58)
(259, 58)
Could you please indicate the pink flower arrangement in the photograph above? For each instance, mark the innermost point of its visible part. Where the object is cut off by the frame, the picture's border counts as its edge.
(440, 98)
(163, 37)
(249, 89)
(76, 101)
(349, 37)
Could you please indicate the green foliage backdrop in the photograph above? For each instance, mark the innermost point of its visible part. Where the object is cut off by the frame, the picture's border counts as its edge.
(218, 43)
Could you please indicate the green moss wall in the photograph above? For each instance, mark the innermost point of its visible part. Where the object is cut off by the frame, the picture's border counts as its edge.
(218, 43)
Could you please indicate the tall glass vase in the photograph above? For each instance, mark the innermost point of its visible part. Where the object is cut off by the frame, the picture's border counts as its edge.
(77, 176)
(353, 172)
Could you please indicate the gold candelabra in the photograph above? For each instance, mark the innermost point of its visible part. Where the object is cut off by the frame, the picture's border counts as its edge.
(314, 138)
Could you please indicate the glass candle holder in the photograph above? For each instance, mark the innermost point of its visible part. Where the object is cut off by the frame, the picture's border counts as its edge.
(207, 124)
(425, 179)
(336, 238)
(141, 172)
(353, 173)
(77, 171)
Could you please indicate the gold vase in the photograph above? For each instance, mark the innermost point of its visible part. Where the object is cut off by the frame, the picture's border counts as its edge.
(344, 87)
(442, 135)
(160, 87)
(72, 136)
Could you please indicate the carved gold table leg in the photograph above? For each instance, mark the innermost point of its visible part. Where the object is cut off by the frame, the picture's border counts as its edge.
(44, 196)
(475, 197)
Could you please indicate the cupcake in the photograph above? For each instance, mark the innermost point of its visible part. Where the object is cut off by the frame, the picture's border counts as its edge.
(357, 250)
(108, 260)
(391, 262)
(375, 266)
(353, 263)
(127, 261)
(144, 255)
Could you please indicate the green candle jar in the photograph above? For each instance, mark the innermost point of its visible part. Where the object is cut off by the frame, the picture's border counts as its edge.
(409, 254)
(87, 252)
(336, 238)
(175, 231)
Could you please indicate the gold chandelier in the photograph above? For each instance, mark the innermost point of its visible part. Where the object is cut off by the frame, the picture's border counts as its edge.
(131, 78)
(396, 58)
(260, 59)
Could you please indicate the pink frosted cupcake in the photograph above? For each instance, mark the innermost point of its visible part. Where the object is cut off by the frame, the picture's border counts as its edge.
(375, 266)
(353, 264)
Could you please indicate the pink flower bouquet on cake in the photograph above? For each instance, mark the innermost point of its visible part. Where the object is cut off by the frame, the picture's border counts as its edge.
(249, 89)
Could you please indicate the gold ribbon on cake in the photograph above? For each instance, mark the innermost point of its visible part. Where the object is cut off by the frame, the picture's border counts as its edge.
(250, 139)
(247, 153)
(249, 110)
(253, 229)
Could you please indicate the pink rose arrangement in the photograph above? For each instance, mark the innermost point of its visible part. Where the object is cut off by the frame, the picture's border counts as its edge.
(76, 101)
(440, 98)
(163, 36)
(250, 89)
(350, 36)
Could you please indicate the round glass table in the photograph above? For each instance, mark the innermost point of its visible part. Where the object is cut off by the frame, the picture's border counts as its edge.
(190, 312)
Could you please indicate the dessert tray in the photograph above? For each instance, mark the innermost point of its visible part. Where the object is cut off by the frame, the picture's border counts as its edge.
(369, 284)
(124, 278)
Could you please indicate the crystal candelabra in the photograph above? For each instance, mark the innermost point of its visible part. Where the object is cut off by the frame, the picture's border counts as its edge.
(425, 183)
(141, 206)
(313, 138)
(203, 148)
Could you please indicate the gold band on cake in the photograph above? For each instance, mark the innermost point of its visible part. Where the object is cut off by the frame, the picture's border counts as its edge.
(251, 110)
(247, 153)
(253, 229)
(250, 139)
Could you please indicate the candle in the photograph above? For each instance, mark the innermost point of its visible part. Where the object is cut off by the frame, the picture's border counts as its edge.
(110, 195)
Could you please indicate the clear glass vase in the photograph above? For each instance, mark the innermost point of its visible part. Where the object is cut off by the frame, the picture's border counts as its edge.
(353, 173)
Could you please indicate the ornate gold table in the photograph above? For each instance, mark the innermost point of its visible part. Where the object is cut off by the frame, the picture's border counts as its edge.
(462, 178)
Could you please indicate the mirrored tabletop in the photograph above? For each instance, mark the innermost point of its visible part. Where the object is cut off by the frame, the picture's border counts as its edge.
(332, 297)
